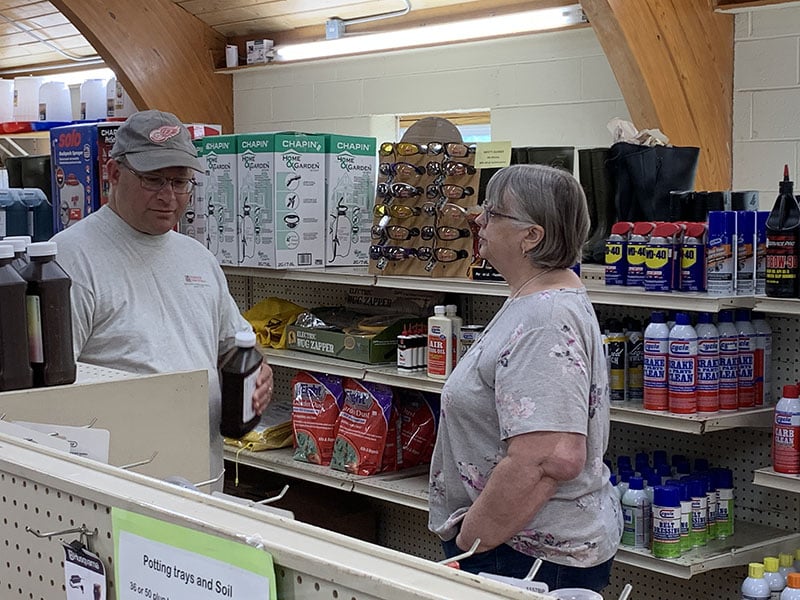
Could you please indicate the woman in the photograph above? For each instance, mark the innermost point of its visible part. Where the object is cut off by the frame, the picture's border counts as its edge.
(518, 461)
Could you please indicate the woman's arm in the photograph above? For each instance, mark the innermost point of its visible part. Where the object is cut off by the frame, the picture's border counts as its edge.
(521, 483)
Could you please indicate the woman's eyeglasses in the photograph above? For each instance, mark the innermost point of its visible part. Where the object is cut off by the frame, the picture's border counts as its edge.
(494, 214)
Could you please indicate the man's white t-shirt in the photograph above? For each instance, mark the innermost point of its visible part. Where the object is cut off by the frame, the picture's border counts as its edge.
(148, 303)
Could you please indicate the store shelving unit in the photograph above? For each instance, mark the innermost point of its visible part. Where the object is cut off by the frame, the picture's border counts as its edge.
(48, 490)
(639, 429)
(624, 412)
(750, 542)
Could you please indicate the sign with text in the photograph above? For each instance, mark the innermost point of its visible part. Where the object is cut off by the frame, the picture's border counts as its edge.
(155, 560)
(493, 155)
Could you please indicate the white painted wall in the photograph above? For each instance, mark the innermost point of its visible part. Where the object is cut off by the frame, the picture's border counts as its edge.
(766, 100)
(547, 89)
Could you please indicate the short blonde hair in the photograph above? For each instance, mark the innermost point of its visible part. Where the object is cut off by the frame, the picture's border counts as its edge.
(551, 198)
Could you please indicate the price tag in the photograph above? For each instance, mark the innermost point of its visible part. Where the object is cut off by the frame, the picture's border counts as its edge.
(84, 574)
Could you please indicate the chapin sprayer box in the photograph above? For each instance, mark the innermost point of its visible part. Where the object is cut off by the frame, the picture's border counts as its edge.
(79, 179)
(299, 200)
(194, 219)
(350, 164)
(255, 205)
(219, 152)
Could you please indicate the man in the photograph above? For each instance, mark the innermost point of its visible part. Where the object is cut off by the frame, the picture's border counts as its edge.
(146, 299)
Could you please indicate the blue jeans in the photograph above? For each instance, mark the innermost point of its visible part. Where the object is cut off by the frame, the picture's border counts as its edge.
(504, 560)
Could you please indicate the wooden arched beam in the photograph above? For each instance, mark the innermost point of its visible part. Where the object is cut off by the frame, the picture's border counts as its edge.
(673, 61)
(163, 56)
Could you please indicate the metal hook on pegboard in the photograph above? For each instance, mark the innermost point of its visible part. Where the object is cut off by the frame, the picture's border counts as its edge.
(83, 531)
(458, 557)
(626, 591)
(280, 495)
(140, 463)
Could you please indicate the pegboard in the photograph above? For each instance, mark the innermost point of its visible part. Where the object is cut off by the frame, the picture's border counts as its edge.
(33, 568)
(309, 561)
(406, 529)
(308, 294)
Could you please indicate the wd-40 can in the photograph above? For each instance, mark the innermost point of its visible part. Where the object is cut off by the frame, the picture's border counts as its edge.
(693, 258)
(659, 262)
(637, 252)
(617, 253)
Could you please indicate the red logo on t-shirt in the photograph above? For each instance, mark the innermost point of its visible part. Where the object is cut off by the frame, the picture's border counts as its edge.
(163, 133)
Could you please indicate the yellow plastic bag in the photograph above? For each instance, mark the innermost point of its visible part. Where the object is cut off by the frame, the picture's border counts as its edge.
(269, 319)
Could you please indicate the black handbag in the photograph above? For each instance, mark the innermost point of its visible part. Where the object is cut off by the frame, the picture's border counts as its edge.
(645, 176)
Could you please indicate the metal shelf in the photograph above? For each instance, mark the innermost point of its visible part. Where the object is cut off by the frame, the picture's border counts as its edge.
(750, 543)
(699, 423)
(777, 306)
(767, 477)
(631, 413)
(599, 293)
(408, 488)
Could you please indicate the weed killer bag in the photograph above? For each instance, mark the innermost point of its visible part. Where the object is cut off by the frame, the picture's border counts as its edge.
(367, 439)
(316, 402)
(419, 416)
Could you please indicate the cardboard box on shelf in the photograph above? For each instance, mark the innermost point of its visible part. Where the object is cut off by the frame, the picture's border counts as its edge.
(256, 206)
(350, 178)
(378, 317)
(259, 51)
(79, 177)
(219, 193)
(194, 220)
(299, 219)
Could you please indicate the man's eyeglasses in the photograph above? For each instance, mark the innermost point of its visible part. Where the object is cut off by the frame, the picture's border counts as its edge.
(154, 183)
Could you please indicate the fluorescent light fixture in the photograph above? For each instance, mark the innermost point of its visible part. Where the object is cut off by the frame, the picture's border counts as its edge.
(457, 31)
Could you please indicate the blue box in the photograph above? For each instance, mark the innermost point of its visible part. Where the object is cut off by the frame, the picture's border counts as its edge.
(78, 154)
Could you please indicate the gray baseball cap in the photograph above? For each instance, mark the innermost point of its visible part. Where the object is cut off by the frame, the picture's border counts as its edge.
(151, 139)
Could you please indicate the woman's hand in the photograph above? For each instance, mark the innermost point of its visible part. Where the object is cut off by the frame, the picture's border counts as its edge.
(262, 395)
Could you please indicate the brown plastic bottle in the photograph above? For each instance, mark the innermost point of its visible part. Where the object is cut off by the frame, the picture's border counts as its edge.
(20, 243)
(15, 367)
(238, 375)
(49, 317)
(783, 235)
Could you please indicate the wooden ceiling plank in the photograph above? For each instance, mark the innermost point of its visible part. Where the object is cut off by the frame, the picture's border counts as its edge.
(673, 60)
(161, 54)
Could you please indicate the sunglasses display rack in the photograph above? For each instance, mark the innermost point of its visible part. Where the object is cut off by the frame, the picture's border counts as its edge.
(421, 218)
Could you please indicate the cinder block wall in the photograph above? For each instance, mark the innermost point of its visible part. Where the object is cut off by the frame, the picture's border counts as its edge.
(766, 101)
(543, 89)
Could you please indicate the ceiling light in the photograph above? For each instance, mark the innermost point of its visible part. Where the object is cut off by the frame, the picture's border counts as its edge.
(457, 31)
